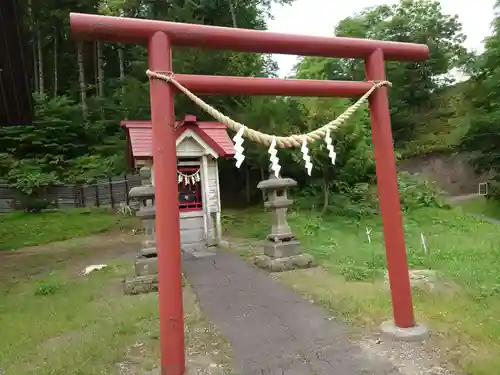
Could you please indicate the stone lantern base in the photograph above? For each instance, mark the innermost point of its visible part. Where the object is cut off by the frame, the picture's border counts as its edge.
(283, 255)
(145, 279)
(141, 284)
(282, 249)
(284, 264)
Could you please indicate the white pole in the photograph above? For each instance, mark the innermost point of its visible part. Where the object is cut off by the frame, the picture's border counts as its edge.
(424, 244)
(368, 231)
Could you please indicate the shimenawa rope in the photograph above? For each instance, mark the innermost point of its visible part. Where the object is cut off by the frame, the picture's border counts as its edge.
(294, 140)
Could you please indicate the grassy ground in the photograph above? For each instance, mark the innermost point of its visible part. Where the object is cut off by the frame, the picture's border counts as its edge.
(20, 229)
(56, 321)
(85, 325)
(481, 206)
(461, 305)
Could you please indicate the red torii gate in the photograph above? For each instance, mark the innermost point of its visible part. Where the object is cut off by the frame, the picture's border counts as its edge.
(160, 36)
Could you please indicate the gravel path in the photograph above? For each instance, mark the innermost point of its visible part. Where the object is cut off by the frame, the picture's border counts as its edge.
(272, 330)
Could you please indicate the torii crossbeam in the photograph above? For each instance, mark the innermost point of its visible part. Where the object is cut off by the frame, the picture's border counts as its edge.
(160, 37)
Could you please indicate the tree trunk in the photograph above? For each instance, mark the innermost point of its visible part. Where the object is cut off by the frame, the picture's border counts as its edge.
(33, 45)
(40, 60)
(326, 194)
(233, 13)
(94, 65)
(56, 68)
(100, 70)
(121, 63)
(35, 65)
(81, 80)
(262, 178)
(247, 184)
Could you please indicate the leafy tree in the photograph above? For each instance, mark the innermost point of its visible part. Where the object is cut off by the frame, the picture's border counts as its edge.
(483, 135)
(53, 139)
(83, 93)
(352, 142)
(415, 21)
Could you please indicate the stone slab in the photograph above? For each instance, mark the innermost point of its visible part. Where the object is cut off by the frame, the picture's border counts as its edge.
(148, 243)
(146, 212)
(284, 264)
(141, 284)
(204, 253)
(148, 252)
(146, 266)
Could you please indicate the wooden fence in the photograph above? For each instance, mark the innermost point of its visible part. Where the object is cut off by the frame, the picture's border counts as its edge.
(111, 192)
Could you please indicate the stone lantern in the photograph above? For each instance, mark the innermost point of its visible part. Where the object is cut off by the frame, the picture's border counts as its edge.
(146, 263)
(281, 248)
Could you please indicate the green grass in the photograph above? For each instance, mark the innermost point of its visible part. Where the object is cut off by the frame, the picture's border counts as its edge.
(463, 250)
(60, 324)
(482, 206)
(20, 229)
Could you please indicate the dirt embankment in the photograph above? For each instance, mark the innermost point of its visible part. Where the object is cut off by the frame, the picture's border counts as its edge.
(451, 172)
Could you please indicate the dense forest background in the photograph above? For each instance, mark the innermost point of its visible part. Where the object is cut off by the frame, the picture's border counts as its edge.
(84, 89)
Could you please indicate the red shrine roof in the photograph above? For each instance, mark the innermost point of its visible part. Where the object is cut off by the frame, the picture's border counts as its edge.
(140, 136)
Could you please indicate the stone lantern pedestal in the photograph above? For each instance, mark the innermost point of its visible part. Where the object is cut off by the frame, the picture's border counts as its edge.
(281, 248)
(145, 277)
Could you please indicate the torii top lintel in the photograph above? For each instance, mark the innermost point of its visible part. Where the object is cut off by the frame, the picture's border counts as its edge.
(134, 30)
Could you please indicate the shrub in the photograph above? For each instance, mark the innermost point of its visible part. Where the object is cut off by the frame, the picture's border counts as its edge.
(35, 205)
(47, 288)
(494, 189)
(361, 200)
(415, 192)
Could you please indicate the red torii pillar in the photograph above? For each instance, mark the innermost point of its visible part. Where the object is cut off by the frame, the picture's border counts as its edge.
(160, 36)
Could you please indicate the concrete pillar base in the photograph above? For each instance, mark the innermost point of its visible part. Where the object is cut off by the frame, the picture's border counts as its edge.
(413, 334)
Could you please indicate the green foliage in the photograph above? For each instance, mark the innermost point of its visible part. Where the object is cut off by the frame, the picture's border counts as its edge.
(359, 273)
(483, 206)
(416, 21)
(360, 200)
(56, 149)
(416, 193)
(76, 137)
(352, 142)
(494, 190)
(31, 180)
(67, 144)
(446, 126)
(89, 168)
(29, 177)
(47, 288)
(483, 136)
